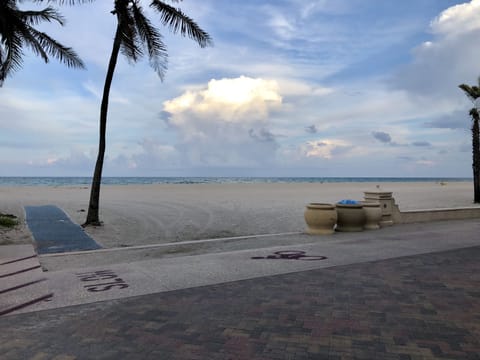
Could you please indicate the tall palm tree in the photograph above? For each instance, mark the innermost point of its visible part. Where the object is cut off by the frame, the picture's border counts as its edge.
(17, 32)
(473, 93)
(134, 36)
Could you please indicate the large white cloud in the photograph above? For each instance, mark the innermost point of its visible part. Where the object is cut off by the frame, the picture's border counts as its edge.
(226, 123)
(448, 59)
(240, 100)
(458, 19)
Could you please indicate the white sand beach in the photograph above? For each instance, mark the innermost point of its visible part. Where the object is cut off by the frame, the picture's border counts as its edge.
(152, 214)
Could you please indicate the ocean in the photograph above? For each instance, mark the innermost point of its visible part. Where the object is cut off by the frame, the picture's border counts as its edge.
(85, 181)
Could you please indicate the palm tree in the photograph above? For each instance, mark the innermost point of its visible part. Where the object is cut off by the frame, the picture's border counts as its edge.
(134, 36)
(473, 93)
(17, 32)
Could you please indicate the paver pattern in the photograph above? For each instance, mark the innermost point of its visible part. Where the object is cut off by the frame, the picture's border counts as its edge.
(416, 307)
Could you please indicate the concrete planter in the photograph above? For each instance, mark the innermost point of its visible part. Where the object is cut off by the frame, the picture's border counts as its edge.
(351, 217)
(387, 205)
(320, 218)
(373, 215)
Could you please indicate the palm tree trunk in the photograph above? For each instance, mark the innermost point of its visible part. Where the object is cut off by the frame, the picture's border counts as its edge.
(93, 207)
(476, 159)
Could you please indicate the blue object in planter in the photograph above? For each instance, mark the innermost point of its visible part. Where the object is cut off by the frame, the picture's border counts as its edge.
(348, 202)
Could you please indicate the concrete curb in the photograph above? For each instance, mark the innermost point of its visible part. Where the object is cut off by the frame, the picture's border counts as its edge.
(427, 215)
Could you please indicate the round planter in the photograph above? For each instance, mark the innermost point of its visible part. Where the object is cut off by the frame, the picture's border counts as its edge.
(373, 215)
(351, 217)
(320, 218)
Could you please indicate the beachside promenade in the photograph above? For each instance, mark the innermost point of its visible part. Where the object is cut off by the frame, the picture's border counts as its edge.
(405, 304)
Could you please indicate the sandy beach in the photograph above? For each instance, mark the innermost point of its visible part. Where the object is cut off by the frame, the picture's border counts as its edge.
(152, 214)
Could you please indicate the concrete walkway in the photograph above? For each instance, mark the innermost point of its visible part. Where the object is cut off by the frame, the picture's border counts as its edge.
(373, 297)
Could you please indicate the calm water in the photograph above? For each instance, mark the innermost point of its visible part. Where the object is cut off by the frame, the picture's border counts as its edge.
(74, 181)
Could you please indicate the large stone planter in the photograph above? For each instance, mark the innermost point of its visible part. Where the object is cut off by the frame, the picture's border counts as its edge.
(351, 217)
(320, 218)
(373, 215)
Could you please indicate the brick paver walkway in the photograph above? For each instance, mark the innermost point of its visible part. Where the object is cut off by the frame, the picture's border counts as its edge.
(416, 307)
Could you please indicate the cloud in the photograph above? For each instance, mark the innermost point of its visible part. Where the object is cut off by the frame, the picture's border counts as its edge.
(152, 158)
(262, 135)
(282, 27)
(417, 162)
(385, 138)
(325, 148)
(226, 123)
(76, 163)
(455, 120)
(312, 129)
(421, 143)
(425, 162)
(382, 137)
(448, 59)
(465, 148)
(307, 70)
(457, 19)
(238, 100)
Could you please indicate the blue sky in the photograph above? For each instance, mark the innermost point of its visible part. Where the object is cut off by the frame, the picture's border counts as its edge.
(290, 88)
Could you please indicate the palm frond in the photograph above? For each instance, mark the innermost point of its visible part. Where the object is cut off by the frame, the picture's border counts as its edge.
(48, 14)
(8, 15)
(17, 31)
(151, 37)
(64, 54)
(178, 22)
(11, 40)
(2, 73)
(29, 39)
(465, 87)
(472, 92)
(12, 58)
(26, 33)
(63, 2)
(129, 36)
(476, 91)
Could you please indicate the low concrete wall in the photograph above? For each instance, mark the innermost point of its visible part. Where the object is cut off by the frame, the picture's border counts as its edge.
(414, 216)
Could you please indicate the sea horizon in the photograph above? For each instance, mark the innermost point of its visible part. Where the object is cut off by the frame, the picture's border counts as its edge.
(140, 180)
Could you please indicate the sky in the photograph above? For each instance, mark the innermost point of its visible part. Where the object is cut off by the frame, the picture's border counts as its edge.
(322, 88)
